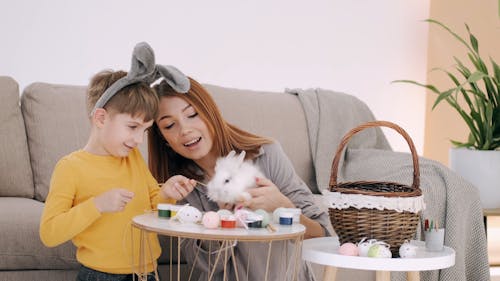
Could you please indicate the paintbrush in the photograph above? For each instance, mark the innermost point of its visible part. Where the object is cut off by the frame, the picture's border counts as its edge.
(198, 182)
(270, 228)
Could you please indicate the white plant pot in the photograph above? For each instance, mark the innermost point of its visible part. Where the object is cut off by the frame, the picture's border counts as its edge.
(482, 169)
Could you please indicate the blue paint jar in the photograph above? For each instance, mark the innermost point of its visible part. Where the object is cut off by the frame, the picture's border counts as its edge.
(286, 218)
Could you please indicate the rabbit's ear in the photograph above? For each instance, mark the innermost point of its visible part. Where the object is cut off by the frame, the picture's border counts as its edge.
(231, 153)
(241, 157)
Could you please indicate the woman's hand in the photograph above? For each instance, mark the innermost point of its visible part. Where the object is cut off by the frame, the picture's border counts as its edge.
(227, 206)
(266, 196)
(177, 187)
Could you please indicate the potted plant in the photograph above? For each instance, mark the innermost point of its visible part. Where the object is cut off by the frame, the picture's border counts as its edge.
(475, 95)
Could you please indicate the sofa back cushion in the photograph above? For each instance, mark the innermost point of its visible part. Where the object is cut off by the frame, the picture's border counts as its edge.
(16, 178)
(56, 124)
(273, 114)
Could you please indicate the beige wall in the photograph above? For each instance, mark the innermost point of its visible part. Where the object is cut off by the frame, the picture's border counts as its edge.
(482, 16)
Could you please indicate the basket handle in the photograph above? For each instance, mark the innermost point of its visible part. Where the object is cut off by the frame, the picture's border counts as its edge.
(345, 139)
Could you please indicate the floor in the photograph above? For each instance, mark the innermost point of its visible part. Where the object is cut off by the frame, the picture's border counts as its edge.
(494, 247)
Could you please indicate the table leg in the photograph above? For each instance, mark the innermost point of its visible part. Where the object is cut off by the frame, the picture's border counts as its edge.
(485, 220)
(142, 256)
(330, 273)
(383, 275)
(413, 276)
(178, 258)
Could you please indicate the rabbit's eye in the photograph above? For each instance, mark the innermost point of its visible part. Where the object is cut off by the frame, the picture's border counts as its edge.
(227, 180)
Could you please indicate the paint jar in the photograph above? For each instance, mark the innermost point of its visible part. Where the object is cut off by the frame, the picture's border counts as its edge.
(164, 211)
(254, 223)
(286, 218)
(296, 212)
(174, 209)
(228, 221)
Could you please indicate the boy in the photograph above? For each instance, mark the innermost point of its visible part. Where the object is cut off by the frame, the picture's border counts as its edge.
(96, 191)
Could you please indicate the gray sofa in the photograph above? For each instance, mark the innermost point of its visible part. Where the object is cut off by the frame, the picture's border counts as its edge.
(48, 121)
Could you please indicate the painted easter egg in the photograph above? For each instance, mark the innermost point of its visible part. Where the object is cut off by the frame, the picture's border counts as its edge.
(210, 220)
(241, 216)
(265, 216)
(348, 249)
(364, 246)
(407, 250)
(189, 214)
(379, 251)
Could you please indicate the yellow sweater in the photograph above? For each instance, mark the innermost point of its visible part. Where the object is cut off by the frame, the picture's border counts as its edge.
(103, 240)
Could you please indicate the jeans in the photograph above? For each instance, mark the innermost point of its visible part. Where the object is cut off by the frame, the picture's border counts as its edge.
(88, 274)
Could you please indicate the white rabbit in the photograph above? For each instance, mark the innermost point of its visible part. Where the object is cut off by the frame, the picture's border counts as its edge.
(233, 176)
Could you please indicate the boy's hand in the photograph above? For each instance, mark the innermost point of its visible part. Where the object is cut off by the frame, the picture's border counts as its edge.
(178, 187)
(113, 200)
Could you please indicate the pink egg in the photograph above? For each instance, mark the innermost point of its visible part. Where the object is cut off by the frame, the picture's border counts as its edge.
(210, 220)
(241, 217)
(348, 249)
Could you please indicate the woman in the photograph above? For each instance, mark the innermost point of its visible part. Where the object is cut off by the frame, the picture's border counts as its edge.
(188, 136)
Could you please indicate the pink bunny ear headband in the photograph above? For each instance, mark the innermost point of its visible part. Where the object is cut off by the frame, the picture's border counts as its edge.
(144, 69)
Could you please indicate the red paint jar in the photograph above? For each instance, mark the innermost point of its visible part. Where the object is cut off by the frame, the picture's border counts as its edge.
(228, 222)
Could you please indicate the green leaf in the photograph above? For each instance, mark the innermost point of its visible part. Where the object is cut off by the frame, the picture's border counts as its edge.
(490, 90)
(476, 76)
(430, 87)
(464, 93)
(487, 127)
(473, 40)
(479, 90)
(471, 139)
(461, 144)
(496, 69)
(442, 96)
(451, 32)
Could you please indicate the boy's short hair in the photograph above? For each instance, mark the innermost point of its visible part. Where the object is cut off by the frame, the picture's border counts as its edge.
(135, 99)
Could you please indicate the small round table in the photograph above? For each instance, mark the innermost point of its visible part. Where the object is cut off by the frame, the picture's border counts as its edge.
(324, 251)
(150, 222)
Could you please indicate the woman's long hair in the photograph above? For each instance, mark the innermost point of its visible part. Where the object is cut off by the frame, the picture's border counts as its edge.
(165, 162)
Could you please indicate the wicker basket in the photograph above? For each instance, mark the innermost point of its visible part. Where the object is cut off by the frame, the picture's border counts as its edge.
(352, 224)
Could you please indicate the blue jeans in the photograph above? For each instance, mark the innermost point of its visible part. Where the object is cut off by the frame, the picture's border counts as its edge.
(88, 274)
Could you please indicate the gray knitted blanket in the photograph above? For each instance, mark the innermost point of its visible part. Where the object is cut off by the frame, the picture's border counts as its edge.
(448, 197)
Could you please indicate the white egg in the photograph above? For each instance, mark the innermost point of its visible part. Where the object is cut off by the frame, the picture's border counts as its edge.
(364, 246)
(189, 214)
(407, 250)
(384, 252)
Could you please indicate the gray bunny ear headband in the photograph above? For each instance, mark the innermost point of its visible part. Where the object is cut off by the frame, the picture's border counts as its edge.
(144, 69)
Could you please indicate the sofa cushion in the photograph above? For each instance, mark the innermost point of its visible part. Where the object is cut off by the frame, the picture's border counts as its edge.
(16, 178)
(56, 124)
(21, 248)
(274, 114)
(20, 245)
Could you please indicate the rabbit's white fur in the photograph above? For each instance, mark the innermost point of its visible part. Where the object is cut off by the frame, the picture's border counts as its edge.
(233, 176)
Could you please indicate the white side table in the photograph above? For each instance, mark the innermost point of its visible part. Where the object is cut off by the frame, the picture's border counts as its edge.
(150, 222)
(324, 251)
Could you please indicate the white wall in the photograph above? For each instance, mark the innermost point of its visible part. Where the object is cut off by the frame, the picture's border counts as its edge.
(357, 47)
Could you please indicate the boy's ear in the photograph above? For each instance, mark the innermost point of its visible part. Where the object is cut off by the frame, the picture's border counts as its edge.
(99, 116)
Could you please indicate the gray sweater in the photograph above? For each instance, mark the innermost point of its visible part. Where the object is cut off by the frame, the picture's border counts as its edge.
(250, 257)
